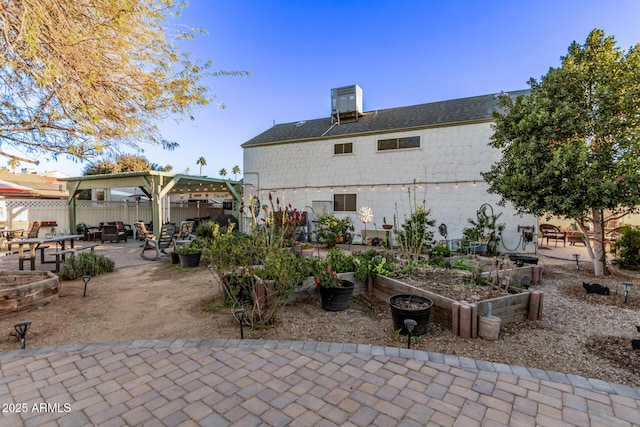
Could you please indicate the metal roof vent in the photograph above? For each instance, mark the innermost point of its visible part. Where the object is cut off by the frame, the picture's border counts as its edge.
(346, 101)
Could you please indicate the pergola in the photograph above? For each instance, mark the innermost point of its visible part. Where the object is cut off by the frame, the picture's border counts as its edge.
(157, 185)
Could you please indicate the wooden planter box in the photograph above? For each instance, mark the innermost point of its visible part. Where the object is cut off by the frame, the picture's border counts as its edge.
(42, 290)
(462, 317)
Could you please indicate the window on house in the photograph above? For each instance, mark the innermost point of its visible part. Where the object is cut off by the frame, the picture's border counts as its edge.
(399, 143)
(344, 202)
(345, 148)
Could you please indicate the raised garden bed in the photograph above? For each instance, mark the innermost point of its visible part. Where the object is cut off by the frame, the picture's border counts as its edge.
(462, 315)
(25, 290)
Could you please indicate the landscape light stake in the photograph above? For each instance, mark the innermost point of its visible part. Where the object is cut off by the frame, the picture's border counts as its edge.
(409, 324)
(21, 329)
(626, 285)
(239, 314)
(577, 257)
(85, 279)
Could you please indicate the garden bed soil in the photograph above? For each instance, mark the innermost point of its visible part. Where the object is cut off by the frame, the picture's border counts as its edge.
(580, 334)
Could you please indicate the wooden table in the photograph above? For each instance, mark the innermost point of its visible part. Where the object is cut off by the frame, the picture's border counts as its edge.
(35, 242)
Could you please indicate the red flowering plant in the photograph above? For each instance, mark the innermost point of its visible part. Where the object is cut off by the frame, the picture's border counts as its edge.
(283, 218)
(328, 278)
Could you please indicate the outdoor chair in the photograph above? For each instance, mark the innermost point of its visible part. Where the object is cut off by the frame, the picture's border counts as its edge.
(612, 236)
(553, 232)
(186, 231)
(159, 244)
(33, 233)
(141, 230)
(111, 233)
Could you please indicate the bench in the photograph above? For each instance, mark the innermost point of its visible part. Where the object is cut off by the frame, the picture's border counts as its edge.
(61, 254)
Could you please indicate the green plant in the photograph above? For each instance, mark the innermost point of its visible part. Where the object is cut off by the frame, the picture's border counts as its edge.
(415, 234)
(340, 261)
(485, 229)
(194, 247)
(628, 248)
(372, 263)
(331, 230)
(437, 255)
(398, 337)
(328, 278)
(257, 271)
(86, 263)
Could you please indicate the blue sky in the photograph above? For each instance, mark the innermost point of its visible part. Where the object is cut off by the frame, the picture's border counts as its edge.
(399, 52)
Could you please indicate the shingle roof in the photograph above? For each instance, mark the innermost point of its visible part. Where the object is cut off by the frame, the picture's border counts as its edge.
(477, 108)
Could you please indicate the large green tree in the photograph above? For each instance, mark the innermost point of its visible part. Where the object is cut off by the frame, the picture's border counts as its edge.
(571, 147)
(83, 78)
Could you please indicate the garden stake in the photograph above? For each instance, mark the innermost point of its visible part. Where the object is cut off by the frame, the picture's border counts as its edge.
(86, 280)
(239, 314)
(21, 329)
(409, 324)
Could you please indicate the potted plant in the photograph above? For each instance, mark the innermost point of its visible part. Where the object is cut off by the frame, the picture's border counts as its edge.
(331, 230)
(385, 225)
(413, 307)
(189, 255)
(306, 249)
(335, 293)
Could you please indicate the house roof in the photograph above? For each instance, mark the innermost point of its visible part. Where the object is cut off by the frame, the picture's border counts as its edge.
(43, 187)
(442, 113)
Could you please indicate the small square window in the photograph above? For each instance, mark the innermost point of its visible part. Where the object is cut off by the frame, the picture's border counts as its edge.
(345, 148)
(344, 202)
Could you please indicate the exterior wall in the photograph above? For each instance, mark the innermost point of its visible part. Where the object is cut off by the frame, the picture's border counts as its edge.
(444, 172)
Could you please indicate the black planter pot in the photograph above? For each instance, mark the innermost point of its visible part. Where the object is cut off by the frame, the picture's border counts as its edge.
(337, 299)
(399, 314)
(190, 260)
(175, 259)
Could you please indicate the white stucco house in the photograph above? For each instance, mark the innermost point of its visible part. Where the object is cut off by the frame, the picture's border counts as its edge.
(352, 159)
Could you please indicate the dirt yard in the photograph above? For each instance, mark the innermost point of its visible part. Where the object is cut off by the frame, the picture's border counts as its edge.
(579, 334)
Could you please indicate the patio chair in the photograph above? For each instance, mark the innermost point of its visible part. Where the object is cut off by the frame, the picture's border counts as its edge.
(33, 233)
(159, 244)
(111, 233)
(186, 230)
(553, 232)
(141, 230)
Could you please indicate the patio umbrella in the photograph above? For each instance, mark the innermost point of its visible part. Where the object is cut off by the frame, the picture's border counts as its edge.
(10, 188)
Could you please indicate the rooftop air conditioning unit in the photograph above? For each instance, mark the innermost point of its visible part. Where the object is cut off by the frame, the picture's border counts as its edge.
(346, 101)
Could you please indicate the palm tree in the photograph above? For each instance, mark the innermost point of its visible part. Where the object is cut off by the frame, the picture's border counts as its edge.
(223, 172)
(202, 162)
(13, 164)
(235, 171)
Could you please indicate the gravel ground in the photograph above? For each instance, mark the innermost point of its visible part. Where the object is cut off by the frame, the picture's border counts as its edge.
(578, 334)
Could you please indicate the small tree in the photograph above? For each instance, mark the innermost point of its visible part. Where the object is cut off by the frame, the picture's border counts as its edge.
(84, 78)
(571, 147)
(414, 234)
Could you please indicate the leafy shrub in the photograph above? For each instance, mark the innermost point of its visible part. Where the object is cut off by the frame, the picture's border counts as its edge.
(339, 261)
(331, 230)
(85, 263)
(437, 255)
(372, 263)
(205, 229)
(628, 248)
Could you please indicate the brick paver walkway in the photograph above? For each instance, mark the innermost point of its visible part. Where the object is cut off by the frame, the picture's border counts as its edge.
(277, 383)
